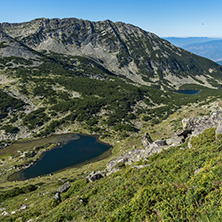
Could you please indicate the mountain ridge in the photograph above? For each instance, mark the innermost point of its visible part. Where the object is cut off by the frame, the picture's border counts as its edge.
(119, 47)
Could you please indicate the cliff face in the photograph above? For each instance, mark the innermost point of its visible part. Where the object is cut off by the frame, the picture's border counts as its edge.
(121, 48)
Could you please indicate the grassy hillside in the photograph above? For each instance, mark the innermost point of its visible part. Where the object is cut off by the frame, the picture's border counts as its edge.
(179, 184)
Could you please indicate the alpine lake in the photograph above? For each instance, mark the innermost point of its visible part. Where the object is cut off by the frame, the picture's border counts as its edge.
(72, 150)
(187, 91)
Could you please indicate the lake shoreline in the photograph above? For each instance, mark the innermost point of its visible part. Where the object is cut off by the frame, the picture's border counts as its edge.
(94, 159)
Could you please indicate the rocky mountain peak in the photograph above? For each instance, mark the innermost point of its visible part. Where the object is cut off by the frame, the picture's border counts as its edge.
(121, 48)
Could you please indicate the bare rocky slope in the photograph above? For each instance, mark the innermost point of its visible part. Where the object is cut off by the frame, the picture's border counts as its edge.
(121, 48)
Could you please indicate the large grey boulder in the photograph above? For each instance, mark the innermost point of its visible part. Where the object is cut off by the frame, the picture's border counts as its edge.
(127, 159)
(57, 197)
(64, 187)
(93, 176)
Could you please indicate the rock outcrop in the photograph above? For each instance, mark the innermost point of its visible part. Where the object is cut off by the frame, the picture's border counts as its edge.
(146, 140)
(126, 159)
(191, 127)
(198, 124)
(57, 197)
(153, 146)
(64, 187)
(93, 176)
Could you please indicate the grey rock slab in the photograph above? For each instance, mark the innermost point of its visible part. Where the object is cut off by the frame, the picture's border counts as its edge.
(64, 187)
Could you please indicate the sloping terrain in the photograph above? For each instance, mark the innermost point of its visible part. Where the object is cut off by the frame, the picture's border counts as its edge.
(178, 184)
(100, 77)
(121, 48)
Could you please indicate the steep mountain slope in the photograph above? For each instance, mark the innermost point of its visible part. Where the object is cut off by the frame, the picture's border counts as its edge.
(121, 48)
(99, 77)
(178, 184)
(10, 47)
(117, 81)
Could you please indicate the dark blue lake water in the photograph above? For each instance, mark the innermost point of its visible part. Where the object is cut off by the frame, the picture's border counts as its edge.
(82, 149)
(187, 91)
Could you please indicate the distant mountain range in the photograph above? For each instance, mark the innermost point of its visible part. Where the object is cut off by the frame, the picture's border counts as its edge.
(181, 42)
(210, 48)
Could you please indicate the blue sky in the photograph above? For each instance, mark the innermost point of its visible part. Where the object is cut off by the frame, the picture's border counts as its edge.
(178, 18)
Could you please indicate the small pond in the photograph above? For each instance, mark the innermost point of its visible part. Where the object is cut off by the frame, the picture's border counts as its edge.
(187, 91)
(78, 150)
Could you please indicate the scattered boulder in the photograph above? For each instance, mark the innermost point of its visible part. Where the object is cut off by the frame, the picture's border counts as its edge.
(5, 213)
(57, 197)
(146, 140)
(60, 180)
(64, 187)
(140, 166)
(81, 200)
(93, 176)
(127, 159)
(23, 207)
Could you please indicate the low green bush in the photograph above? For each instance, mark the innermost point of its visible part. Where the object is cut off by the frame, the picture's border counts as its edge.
(207, 137)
